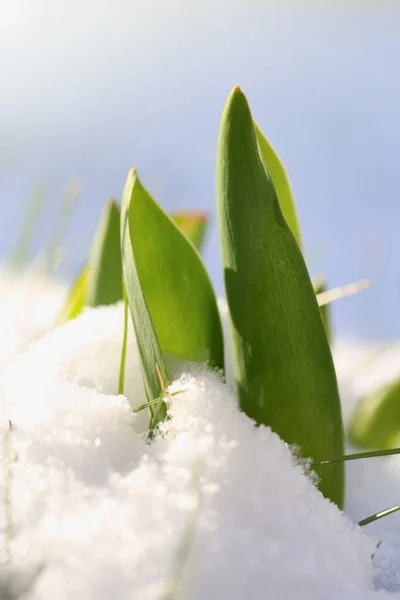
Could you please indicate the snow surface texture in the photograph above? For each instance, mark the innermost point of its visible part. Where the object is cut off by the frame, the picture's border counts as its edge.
(29, 305)
(214, 508)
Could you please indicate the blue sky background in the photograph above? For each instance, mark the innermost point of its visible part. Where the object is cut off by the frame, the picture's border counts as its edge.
(91, 88)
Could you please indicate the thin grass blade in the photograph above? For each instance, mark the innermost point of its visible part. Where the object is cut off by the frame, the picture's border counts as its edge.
(358, 456)
(379, 515)
(121, 381)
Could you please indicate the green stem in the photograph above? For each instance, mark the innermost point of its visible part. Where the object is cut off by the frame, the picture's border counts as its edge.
(121, 383)
(146, 405)
(357, 456)
(379, 515)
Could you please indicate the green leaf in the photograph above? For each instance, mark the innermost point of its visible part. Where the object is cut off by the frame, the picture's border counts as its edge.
(279, 177)
(320, 287)
(77, 296)
(375, 422)
(193, 225)
(283, 364)
(174, 283)
(121, 380)
(151, 360)
(105, 268)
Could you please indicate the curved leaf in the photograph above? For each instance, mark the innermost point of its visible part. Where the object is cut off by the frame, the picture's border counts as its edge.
(174, 283)
(281, 183)
(151, 359)
(375, 422)
(105, 269)
(283, 364)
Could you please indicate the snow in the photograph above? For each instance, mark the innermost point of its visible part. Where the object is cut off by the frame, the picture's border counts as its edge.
(213, 508)
(29, 305)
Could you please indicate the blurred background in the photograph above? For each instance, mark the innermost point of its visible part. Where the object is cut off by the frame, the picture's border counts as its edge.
(93, 87)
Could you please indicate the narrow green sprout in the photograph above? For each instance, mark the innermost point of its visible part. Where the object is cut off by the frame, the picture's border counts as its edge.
(283, 364)
(146, 405)
(121, 381)
(157, 400)
(357, 456)
(379, 515)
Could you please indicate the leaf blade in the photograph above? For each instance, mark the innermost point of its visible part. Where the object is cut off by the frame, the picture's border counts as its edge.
(104, 285)
(284, 368)
(175, 284)
(281, 182)
(148, 345)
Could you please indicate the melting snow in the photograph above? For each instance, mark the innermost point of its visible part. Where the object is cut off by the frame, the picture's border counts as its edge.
(214, 508)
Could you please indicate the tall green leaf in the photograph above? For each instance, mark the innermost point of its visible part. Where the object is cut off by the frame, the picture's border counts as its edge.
(174, 283)
(193, 225)
(151, 359)
(105, 269)
(281, 183)
(283, 364)
(375, 422)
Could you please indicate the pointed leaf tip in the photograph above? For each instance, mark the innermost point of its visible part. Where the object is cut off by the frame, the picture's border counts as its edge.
(283, 364)
(105, 269)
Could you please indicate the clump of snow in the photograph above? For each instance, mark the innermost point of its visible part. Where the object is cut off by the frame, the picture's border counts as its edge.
(374, 484)
(213, 508)
(30, 302)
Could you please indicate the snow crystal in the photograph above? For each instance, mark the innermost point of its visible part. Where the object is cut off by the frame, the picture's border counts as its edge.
(213, 508)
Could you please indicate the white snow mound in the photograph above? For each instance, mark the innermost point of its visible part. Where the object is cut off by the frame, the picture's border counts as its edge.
(30, 303)
(214, 508)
